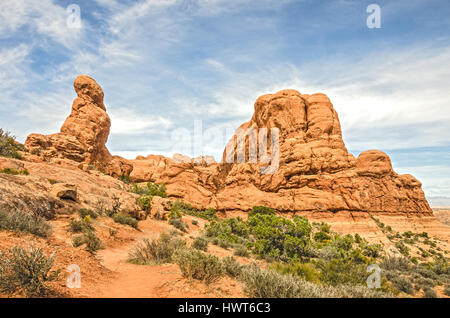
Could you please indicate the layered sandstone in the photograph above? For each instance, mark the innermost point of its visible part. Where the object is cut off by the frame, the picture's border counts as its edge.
(314, 172)
(84, 134)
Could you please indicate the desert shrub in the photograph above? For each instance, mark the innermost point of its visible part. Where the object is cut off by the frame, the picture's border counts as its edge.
(145, 202)
(425, 272)
(93, 243)
(77, 226)
(156, 251)
(241, 250)
(78, 240)
(270, 284)
(261, 210)
(90, 240)
(429, 293)
(440, 266)
(8, 145)
(15, 172)
(402, 283)
(305, 270)
(322, 237)
(425, 282)
(372, 250)
(179, 224)
(232, 230)
(221, 243)
(179, 208)
(151, 189)
(157, 189)
(200, 244)
(26, 271)
(343, 242)
(395, 263)
(125, 179)
(231, 266)
(19, 221)
(194, 222)
(195, 264)
(125, 219)
(342, 271)
(447, 290)
(279, 237)
(87, 212)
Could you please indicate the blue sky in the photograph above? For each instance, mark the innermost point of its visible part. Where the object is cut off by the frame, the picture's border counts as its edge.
(165, 63)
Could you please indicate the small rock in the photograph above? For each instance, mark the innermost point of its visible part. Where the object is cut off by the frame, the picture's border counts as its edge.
(64, 191)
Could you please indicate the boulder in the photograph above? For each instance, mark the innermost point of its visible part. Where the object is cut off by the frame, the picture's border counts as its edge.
(64, 191)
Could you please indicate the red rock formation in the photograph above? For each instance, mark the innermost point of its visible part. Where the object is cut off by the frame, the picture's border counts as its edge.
(84, 133)
(315, 172)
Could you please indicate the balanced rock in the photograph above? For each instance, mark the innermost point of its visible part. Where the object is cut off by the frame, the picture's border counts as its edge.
(84, 134)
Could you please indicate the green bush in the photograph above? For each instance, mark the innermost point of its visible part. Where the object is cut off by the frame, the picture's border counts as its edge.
(221, 243)
(125, 219)
(447, 290)
(15, 172)
(402, 283)
(396, 263)
(87, 212)
(342, 271)
(241, 250)
(200, 244)
(429, 292)
(261, 210)
(231, 230)
(19, 221)
(91, 241)
(179, 208)
(279, 237)
(125, 179)
(343, 242)
(8, 145)
(372, 250)
(198, 265)
(305, 270)
(322, 237)
(151, 189)
(26, 271)
(270, 284)
(157, 251)
(78, 226)
(145, 202)
(179, 224)
(231, 267)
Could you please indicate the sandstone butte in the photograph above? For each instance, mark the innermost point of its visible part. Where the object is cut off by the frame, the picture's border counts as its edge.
(316, 173)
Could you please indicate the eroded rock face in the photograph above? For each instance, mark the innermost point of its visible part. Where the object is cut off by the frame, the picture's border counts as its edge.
(315, 172)
(84, 133)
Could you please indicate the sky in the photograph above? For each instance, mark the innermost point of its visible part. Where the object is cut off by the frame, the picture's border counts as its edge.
(166, 64)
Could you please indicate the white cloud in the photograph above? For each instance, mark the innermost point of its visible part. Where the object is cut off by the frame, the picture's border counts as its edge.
(128, 121)
(42, 17)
